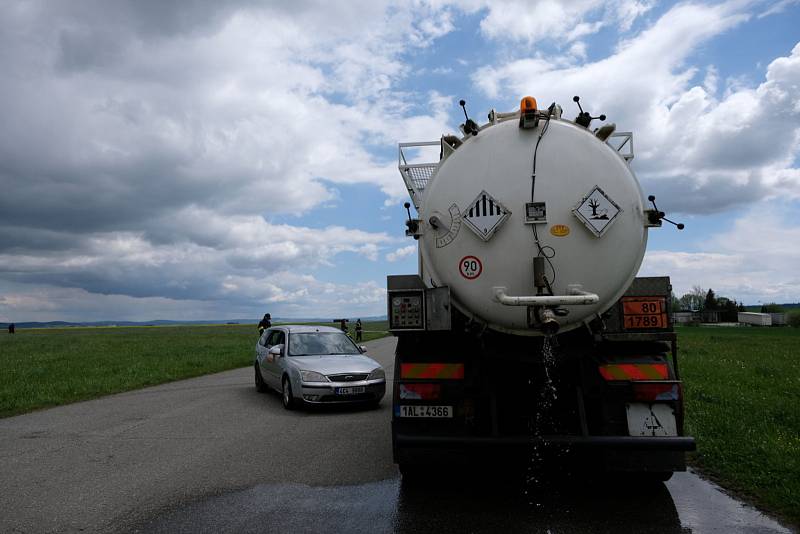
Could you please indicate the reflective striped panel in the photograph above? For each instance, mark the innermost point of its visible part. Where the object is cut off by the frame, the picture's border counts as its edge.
(634, 371)
(432, 370)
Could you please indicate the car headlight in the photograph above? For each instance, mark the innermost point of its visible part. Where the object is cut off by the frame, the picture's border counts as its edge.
(377, 374)
(313, 376)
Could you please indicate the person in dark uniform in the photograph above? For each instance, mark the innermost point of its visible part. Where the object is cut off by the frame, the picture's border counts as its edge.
(265, 323)
(359, 329)
(12, 328)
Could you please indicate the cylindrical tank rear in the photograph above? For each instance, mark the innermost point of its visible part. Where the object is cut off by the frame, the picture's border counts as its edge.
(582, 215)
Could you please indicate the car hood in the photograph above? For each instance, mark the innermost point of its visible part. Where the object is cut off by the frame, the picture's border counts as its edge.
(335, 364)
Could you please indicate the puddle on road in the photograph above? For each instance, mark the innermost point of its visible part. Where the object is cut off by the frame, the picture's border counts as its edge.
(703, 507)
(686, 504)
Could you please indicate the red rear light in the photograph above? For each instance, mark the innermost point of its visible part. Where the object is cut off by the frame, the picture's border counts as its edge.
(657, 391)
(420, 391)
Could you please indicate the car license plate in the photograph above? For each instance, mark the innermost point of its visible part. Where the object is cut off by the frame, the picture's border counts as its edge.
(651, 420)
(354, 390)
(439, 412)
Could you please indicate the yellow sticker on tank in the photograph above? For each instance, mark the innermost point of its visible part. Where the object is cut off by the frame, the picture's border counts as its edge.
(559, 230)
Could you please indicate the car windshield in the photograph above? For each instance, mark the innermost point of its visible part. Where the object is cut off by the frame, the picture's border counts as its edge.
(321, 343)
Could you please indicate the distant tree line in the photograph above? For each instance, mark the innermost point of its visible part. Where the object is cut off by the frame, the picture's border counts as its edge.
(701, 300)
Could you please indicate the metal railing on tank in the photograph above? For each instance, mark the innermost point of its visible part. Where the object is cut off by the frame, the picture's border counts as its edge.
(622, 142)
(416, 175)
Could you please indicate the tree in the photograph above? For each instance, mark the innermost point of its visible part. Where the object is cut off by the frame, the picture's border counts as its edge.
(741, 307)
(771, 308)
(699, 295)
(710, 302)
(728, 309)
(794, 318)
(674, 301)
(693, 300)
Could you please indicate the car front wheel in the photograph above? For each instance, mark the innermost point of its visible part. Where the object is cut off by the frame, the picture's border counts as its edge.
(288, 398)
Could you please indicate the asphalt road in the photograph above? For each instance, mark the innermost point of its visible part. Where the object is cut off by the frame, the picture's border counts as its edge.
(212, 455)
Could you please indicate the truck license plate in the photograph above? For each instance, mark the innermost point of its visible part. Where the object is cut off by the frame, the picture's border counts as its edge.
(426, 411)
(354, 390)
(651, 420)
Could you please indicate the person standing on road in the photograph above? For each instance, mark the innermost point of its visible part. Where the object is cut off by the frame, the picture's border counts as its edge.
(265, 323)
(358, 330)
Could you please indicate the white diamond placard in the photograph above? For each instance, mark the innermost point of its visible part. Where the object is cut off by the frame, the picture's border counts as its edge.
(485, 215)
(597, 211)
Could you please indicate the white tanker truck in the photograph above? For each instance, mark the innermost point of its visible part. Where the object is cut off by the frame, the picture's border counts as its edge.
(531, 229)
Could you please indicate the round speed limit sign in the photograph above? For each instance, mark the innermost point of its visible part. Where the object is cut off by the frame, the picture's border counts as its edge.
(470, 267)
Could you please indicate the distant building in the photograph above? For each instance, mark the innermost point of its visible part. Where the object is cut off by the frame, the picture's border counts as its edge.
(755, 319)
(778, 319)
(683, 317)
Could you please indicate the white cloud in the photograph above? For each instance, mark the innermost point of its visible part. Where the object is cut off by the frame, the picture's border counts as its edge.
(777, 7)
(143, 146)
(191, 254)
(699, 153)
(755, 260)
(564, 21)
(284, 294)
(145, 149)
(20, 302)
(261, 104)
(401, 253)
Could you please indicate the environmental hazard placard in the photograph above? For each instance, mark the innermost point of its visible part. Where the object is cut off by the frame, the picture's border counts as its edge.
(485, 215)
(597, 211)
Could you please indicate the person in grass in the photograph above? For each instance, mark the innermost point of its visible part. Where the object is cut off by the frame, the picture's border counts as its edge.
(265, 323)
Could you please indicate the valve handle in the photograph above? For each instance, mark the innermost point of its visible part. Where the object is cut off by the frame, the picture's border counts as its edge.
(662, 215)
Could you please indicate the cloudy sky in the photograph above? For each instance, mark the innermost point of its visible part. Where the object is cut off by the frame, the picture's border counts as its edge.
(209, 160)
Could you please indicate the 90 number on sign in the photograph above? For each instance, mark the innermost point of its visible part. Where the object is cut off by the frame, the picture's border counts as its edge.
(470, 267)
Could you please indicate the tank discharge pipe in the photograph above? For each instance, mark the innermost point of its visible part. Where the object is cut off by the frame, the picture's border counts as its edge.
(550, 325)
(576, 297)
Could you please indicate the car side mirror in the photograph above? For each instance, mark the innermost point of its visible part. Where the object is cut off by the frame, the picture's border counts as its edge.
(362, 348)
(276, 350)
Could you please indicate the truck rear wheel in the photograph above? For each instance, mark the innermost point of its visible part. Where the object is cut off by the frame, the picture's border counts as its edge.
(411, 473)
(659, 476)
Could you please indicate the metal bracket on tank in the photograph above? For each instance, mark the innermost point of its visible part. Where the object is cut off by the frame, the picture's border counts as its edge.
(575, 297)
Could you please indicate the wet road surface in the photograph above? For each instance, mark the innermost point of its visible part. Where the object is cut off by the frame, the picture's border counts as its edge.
(392, 506)
(211, 455)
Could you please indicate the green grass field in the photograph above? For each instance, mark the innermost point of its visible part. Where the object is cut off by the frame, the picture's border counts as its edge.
(48, 367)
(742, 388)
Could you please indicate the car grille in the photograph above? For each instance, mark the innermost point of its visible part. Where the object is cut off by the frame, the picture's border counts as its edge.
(348, 377)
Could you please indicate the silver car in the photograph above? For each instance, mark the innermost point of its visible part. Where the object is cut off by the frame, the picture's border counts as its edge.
(316, 365)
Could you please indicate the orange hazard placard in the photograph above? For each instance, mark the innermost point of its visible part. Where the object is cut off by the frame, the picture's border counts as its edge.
(644, 312)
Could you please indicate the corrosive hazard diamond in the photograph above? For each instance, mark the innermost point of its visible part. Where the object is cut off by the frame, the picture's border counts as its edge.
(485, 215)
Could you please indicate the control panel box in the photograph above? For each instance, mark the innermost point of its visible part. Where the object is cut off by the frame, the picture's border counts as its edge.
(414, 307)
(407, 310)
